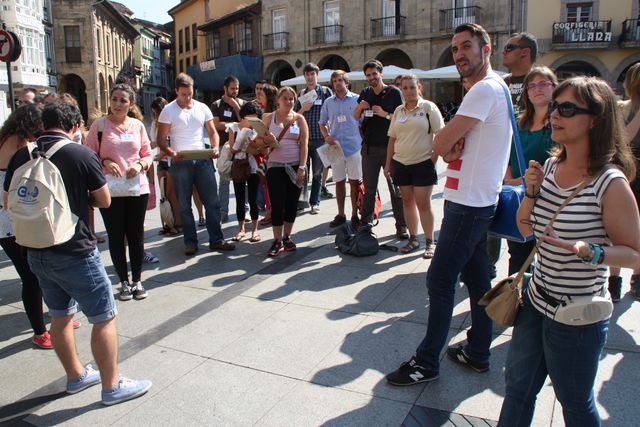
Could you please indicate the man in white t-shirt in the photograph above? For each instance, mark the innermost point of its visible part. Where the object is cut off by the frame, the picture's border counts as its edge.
(183, 120)
(475, 143)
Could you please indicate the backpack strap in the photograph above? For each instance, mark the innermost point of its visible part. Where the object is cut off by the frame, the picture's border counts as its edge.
(56, 146)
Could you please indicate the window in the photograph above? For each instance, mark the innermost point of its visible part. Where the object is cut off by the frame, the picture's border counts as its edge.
(331, 21)
(99, 42)
(181, 67)
(107, 47)
(187, 39)
(188, 62)
(194, 35)
(180, 47)
(213, 45)
(579, 12)
(279, 27)
(242, 35)
(389, 15)
(72, 44)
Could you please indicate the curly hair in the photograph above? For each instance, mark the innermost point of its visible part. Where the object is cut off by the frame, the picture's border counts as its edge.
(25, 122)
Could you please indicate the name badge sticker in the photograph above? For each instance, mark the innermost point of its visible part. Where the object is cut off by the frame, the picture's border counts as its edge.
(126, 137)
(402, 119)
(341, 118)
(368, 113)
(227, 113)
(317, 102)
(294, 129)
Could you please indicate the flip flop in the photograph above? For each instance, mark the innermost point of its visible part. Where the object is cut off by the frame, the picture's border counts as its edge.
(255, 238)
(238, 237)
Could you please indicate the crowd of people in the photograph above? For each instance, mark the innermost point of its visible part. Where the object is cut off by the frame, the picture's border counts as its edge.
(576, 137)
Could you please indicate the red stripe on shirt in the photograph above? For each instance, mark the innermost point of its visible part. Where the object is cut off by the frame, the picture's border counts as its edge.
(456, 165)
(452, 183)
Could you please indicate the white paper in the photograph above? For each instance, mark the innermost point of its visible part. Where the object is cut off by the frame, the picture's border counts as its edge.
(330, 154)
(120, 186)
(310, 96)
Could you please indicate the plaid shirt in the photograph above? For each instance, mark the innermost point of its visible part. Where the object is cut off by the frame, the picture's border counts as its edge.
(313, 115)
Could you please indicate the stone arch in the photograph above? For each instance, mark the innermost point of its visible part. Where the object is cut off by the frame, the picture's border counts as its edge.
(73, 84)
(580, 64)
(620, 71)
(445, 59)
(395, 57)
(278, 71)
(334, 62)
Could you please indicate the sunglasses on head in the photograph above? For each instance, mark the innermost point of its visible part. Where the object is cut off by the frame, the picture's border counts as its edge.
(567, 109)
(509, 47)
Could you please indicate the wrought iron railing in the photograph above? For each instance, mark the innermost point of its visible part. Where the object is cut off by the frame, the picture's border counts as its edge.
(451, 18)
(276, 40)
(630, 31)
(389, 26)
(327, 34)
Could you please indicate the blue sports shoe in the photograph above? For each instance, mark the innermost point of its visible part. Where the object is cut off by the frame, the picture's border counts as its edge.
(125, 390)
(89, 377)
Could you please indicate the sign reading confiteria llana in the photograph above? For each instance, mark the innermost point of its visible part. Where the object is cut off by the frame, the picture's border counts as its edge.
(588, 31)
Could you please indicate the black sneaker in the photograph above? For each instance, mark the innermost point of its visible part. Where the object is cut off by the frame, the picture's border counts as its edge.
(457, 354)
(288, 244)
(325, 194)
(275, 248)
(410, 373)
(138, 291)
(125, 292)
(338, 221)
(615, 288)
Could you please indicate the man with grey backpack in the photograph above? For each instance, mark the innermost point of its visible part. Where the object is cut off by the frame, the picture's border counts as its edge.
(48, 198)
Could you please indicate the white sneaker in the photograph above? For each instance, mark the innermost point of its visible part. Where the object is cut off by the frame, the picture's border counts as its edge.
(315, 210)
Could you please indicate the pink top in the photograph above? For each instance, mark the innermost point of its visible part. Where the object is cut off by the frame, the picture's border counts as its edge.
(122, 146)
(289, 151)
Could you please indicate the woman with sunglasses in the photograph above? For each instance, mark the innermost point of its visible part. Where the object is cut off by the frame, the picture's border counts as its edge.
(535, 137)
(587, 236)
(631, 116)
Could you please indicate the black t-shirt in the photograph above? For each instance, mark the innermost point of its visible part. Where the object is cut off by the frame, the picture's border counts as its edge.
(375, 128)
(81, 172)
(225, 113)
(515, 84)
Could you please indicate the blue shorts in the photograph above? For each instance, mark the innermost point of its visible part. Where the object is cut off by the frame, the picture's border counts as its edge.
(72, 282)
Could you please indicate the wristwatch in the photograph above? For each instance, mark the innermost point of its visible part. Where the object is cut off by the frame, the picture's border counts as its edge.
(388, 117)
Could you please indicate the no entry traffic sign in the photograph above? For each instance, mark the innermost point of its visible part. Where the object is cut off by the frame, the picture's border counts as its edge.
(10, 47)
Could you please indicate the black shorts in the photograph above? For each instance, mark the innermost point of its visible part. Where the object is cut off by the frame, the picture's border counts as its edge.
(421, 174)
(163, 166)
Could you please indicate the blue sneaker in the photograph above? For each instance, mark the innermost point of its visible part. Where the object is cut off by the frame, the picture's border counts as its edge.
(125, 390)
(89, 377)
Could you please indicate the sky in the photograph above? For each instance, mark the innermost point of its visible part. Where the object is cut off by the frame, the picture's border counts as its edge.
(151, 10)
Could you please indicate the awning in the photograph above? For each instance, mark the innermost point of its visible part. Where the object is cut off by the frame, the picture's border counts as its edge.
(248, 69)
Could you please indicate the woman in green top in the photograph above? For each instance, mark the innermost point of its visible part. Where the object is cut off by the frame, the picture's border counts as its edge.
(535, 136)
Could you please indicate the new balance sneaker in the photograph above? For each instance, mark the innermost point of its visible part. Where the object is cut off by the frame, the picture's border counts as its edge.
(457, 354)
(43, 340)
(275, 248)
(125, 292)
(125, 390)
(410, 373)
(288, 244)
(138, 291)
(89, 377)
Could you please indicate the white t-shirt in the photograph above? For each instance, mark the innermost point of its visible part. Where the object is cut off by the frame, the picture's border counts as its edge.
(186, 124)
(476, 178)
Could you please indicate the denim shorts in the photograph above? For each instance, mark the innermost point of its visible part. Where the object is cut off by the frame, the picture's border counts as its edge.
(71, 283)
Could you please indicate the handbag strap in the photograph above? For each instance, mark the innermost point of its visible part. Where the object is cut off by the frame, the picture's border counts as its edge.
(286, 128)
(516, 134)
(574, 193)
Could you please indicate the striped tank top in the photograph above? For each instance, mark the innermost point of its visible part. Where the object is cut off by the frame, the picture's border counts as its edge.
(559, 272)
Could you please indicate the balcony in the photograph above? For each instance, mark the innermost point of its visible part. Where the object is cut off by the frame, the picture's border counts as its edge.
(581, 35)
(451, 18)
(276, 41)
(390, 26)
(630, 36)
(329, 34)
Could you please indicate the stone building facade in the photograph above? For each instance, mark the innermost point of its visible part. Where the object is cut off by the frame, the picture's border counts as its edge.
(94, 48)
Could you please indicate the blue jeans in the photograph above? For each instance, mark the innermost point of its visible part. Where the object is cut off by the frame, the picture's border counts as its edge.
(540, 346)
(223, 196)
(72, 281)
(461, 248)
(317, 168)
(200, 173)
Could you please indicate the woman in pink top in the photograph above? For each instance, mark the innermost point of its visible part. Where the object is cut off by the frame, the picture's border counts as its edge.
(286, 167)
(125, 152)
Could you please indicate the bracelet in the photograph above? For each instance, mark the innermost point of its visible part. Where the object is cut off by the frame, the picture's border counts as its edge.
(534, 197)
(601, 257)
(590, 256)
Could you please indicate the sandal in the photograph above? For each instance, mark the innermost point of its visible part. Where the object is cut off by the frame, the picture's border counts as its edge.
(238, 237)
(411, 245)
(430, 249)
(255, 238)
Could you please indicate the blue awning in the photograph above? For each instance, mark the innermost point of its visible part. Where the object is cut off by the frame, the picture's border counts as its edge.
(247, 69)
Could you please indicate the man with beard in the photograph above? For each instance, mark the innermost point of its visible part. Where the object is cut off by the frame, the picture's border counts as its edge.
(226, 110)
(376, 105)
(475, 143)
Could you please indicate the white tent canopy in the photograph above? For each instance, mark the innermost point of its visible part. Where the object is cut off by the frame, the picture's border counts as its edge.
(443, 73)
(389, 72)
(324, 76)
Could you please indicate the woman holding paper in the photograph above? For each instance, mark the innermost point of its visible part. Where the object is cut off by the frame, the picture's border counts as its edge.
(124, 149)
(286, 167)
(411, 162)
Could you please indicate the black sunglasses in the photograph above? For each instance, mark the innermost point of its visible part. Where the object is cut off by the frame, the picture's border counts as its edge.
(509, 47)
(567, 109)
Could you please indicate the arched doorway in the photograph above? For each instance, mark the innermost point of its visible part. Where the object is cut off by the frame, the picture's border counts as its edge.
(278, 71)
(103, 94)
(73, 84)
(334, 62)
(576, 68)
(110, 83)
(620, 72)
(395, 57)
